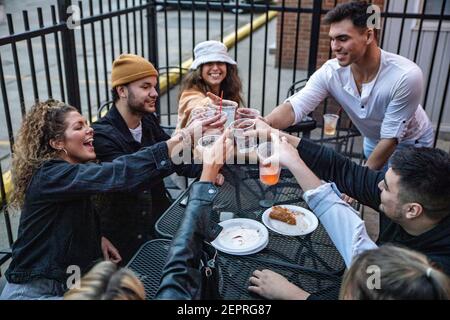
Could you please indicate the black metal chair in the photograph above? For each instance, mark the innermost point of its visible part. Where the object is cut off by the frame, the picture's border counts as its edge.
(307, 124)
(104, 108)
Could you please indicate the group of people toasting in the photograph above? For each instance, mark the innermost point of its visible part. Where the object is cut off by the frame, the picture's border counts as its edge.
(88, 194)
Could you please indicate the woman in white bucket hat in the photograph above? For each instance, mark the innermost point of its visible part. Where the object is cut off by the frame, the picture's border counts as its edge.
(212, 70)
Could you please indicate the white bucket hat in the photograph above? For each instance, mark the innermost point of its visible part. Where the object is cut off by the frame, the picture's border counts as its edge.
(210, 51)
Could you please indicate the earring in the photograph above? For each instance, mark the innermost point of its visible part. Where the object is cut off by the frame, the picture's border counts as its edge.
(62, 149)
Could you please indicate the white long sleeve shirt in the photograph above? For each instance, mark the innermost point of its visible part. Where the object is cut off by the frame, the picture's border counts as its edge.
(344, 226)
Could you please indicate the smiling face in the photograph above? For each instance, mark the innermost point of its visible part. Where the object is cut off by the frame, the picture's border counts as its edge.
(213, 73)
(348, 42)
(77, 141)
(142, 95)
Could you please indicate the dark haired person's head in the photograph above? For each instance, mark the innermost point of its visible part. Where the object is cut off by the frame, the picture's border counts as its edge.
(351, 31)
(417, 185)
(394, 273)
(134, 80)
(51, 129)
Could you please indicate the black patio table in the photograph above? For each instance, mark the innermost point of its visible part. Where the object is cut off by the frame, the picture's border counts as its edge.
(310, 261)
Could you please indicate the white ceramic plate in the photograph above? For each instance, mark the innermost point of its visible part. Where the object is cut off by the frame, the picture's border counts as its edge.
(241, 237)
(305, 224)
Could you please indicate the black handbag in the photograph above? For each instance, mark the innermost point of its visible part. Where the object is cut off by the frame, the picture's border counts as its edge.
(211, 276)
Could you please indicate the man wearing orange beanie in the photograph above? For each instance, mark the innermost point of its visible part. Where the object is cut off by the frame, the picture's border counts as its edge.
(129, 218)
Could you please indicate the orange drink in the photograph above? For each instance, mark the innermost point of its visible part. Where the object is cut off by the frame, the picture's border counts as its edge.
(269, 174)
(330, 123)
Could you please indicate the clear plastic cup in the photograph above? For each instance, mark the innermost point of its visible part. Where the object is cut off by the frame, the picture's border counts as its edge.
(244, 143)
(229, 107)
(206, 142)
(198, 111)
(330, 123)
(247, 113)
(268, 174)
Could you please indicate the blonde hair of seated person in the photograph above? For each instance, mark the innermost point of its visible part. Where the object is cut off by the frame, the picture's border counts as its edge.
(403, 274)
(105, 281)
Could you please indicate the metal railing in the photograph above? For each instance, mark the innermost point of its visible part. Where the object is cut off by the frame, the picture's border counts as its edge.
(52, 60)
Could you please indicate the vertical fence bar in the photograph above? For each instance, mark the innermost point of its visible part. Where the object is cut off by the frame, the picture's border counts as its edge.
(167, 59)
(266, 31)
(111, 32)
(236, 30)
(330, 52)
(16, 67)
(141, 23)
(152, 42)
(69, 57)
(44, 52)
(94, 54)
(193, 26)
(297, 30)
(152, 30)
(31, 57)
(6, 107)
(58, 56)
(180, 74)
(119, 22)
(249, 95)
(85, 64)
(127, 24)
(222, 9)
(280, 50)
(401, 27)
(325, 103)
(135, 29)
(419, 34)
(207, 19)
(436, 41)
(383, 35)
(105, 67)
(441, 112)
(315, 32)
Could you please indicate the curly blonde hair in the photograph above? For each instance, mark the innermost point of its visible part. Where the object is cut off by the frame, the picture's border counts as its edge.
(106, 282)
(44, 121)
(231, 85)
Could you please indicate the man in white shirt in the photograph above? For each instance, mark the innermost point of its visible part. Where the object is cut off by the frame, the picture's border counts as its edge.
(379, 91)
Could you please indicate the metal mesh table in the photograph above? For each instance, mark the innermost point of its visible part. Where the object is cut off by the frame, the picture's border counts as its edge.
(235, 271)
(310, 261)
(241, 194)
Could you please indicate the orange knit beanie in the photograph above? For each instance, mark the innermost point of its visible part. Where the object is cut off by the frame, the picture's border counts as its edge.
(129, 67)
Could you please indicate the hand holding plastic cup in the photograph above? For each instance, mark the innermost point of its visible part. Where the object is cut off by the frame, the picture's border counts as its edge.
(245, 144)
(229, 107)
(247, 113)
(206, 142)
(330, 123)
(269, 173)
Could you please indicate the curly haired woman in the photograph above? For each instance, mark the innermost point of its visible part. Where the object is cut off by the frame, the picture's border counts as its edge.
(54, 180)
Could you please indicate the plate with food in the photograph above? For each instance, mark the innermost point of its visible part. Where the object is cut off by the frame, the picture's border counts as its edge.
(241, 237)
(290, 220)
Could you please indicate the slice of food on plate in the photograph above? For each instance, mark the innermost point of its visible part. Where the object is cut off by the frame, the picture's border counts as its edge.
(284, 215)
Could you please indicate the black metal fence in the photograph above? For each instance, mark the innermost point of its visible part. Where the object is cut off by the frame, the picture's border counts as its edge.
(67, 54)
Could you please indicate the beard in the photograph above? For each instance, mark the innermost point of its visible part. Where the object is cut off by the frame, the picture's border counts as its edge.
(136, 107)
